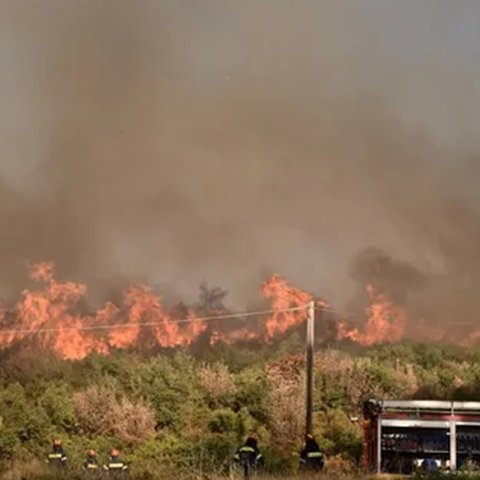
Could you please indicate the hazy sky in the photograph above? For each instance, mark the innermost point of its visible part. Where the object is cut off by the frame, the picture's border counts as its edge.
(178, 141)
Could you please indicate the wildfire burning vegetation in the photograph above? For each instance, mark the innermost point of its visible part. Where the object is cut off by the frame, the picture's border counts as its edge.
(386, 322)
(50, 316)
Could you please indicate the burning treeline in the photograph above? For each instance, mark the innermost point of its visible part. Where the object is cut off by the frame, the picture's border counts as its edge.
(131, 128)
(49, 314)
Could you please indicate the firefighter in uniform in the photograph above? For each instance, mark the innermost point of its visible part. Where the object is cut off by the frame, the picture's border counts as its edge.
(115, 466)
(90, 465)
(311, 457)
(57, 458)
(249, 454)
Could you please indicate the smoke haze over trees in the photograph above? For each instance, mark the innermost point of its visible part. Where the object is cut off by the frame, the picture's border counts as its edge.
(175, 142)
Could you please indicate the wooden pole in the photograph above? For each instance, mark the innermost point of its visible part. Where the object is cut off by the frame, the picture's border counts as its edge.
(310, 340)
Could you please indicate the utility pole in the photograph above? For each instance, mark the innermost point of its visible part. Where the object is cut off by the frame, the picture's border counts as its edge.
(310, 340)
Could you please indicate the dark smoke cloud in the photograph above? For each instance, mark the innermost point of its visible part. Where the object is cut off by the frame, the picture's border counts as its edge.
(387, 275)
(180, 141)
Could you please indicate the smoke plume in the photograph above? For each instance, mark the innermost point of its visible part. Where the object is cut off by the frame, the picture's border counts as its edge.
(173, 142)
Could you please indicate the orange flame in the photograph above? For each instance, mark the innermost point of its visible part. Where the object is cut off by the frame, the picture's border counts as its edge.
(386, 321)
(144, 307)
(51, 312)
(283, 298)
(52, 308)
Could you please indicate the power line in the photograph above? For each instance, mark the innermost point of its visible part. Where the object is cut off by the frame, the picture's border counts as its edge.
(210, 318)
(340, 313)
(345, 315)
(152, 324)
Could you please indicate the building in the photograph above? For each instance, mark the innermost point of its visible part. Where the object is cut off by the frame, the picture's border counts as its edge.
(403, 435)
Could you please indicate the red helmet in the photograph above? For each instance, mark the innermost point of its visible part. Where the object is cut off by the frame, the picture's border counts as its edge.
(92, 453)
(114, 452)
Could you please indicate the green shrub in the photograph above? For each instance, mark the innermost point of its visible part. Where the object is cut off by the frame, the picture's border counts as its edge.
(173, 414)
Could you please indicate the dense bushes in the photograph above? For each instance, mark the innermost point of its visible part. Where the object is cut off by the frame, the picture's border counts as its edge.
(100, 412)
(176, 412)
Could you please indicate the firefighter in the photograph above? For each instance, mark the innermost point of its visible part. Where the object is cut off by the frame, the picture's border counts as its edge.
(90, 465)
(248, 456)
(115, 466)
(311, 457)
(57, 458)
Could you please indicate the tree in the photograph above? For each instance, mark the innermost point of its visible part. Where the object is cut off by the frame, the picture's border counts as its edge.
(58, 404)
(210, 299)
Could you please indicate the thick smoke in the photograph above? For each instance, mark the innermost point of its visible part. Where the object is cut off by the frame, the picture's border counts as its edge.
(398, 279)
(180, 141)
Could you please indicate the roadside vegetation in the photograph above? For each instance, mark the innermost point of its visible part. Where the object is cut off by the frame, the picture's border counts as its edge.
(175, 413)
